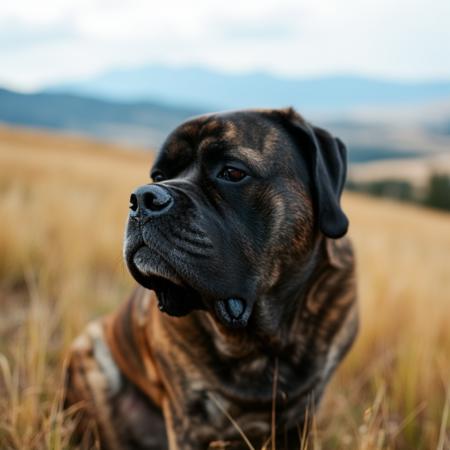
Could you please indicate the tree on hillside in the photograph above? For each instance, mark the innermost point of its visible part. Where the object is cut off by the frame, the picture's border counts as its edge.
(438, 192)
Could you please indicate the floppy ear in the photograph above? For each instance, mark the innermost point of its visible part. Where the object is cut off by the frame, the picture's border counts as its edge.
(327, 157)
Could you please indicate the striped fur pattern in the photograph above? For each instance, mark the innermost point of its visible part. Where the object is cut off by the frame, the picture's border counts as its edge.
(143, 379)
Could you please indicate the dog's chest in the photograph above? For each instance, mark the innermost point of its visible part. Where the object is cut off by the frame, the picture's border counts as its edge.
(246, 394)
(214, 416)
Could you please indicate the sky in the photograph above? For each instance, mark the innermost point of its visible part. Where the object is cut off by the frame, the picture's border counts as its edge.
(48, 41)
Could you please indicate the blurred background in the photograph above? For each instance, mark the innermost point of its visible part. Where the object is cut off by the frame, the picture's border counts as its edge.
(88, 91)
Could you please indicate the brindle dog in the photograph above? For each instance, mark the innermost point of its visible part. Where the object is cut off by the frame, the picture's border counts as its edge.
(239, 242)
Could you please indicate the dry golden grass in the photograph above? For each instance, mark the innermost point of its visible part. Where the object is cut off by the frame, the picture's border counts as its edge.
(63, 208)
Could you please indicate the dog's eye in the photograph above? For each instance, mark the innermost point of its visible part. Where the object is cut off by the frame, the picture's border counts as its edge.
(232, 174)
(157, 176)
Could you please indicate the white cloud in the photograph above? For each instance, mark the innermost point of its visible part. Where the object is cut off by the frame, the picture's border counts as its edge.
(50, 40)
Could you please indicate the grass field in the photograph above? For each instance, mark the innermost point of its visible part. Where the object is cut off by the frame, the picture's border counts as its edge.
(63, 207)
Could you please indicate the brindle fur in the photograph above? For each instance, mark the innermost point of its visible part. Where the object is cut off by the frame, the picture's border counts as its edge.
(147, 380)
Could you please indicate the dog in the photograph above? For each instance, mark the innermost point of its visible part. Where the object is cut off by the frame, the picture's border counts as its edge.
(247, 297)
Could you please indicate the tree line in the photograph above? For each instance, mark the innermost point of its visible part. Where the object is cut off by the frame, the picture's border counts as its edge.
(436, 193)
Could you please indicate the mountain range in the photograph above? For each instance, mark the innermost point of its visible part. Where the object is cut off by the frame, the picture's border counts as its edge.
(143, 124)
(377, 119)
(214, 90)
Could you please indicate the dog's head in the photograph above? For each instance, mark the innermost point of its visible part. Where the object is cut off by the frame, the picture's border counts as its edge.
(238, 201)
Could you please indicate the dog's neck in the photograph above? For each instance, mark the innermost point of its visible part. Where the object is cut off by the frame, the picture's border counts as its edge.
(274, 312)
(275, 309)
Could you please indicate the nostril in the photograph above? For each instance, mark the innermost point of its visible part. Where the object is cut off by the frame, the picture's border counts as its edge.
(133, 202)
(150, 200)
(156, 201)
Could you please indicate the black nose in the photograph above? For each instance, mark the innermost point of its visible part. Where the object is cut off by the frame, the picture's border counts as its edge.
(150, 200)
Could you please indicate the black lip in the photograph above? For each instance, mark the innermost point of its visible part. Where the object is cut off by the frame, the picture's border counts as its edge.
(175, 296)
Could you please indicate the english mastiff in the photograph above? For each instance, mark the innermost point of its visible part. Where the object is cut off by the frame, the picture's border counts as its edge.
(247, 300)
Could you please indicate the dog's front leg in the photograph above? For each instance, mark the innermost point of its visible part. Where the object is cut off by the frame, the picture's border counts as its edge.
(179, 437)
(112, 413)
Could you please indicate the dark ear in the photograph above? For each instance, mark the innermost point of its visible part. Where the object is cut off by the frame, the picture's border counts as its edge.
(327, 157)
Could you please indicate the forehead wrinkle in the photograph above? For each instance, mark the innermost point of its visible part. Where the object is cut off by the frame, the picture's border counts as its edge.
(247, 154)
(271, 141)
(205, 144)
(211, 125)
(231, 130)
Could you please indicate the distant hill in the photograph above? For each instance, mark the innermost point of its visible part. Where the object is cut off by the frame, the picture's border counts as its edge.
(217, 90)
(370, 134)
(136, 123)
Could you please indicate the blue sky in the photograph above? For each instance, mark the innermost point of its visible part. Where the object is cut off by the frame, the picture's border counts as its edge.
(47, 41)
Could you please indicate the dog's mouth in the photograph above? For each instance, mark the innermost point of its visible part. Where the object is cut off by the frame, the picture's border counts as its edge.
(176, 294)
(174, 299)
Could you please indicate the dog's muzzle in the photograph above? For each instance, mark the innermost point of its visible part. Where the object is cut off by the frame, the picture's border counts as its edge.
(171, 269)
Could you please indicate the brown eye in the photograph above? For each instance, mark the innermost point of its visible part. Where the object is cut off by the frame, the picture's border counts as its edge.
(157, 177)
(232, 174)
